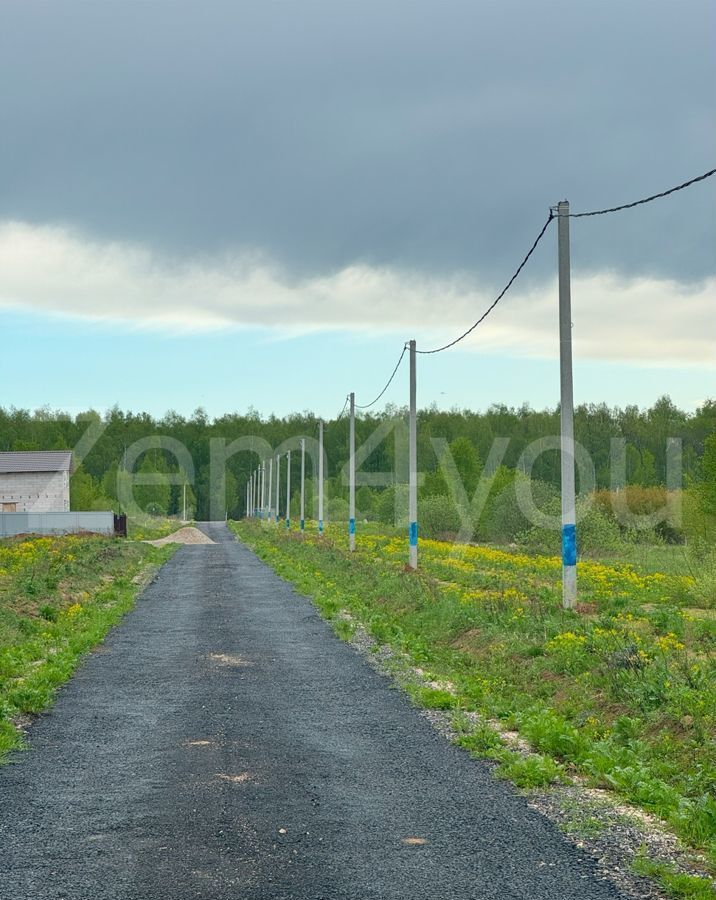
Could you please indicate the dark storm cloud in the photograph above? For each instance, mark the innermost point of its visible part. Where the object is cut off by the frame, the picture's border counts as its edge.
(424, 135)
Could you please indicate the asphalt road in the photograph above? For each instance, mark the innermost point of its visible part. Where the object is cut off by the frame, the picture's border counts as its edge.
(223, 743)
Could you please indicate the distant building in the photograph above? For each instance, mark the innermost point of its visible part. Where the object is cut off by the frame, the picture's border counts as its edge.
(35, 481)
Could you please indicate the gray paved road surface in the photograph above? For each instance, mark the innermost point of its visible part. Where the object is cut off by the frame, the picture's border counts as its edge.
(224, 744)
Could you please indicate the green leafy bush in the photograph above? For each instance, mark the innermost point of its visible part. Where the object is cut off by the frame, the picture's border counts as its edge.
(392, 506)
(508, 520)
(438, 516)
(596, 532)
(337, 509)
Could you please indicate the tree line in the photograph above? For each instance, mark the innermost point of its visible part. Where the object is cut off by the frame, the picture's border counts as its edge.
(470, 434)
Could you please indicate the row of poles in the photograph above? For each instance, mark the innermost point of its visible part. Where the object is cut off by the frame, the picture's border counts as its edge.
(260, 487)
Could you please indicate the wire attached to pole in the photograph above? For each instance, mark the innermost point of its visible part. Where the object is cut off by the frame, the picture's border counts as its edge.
(597, 212)
(341, 413)
(388, 383)
(673, 190)
(500, 295)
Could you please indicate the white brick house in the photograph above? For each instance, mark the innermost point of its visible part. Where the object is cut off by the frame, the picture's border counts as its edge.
(35, 481)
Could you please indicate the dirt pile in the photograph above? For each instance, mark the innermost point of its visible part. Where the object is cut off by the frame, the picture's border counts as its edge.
(187, 535)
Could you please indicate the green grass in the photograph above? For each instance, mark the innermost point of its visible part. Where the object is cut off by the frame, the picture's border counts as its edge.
(622, 691)
(344, 629)
(587, 827)
(58, 598)
(481, 741)
(151, 528)
(432, 698)
(531, 771)
(649, 558)
(675, 884)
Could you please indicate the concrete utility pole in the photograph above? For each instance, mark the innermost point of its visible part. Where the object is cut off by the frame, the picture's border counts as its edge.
(320, 477)
(413, 466)
(270, 488)
(352, 476)
(288, 489)
(278, 487)
(569, 527)
(302, 517)
(263, 489)
(256, 492)
(183, 516)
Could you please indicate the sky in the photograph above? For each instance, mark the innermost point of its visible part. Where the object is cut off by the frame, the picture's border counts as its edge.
(230, 204)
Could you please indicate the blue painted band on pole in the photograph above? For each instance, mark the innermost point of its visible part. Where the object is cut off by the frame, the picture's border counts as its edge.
(288, 523)
(569, 545)
(303, 524)
(351, 526)
(413, 533)
(320, 526)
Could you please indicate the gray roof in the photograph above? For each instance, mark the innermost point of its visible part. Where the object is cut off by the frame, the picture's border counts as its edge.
(36, 461)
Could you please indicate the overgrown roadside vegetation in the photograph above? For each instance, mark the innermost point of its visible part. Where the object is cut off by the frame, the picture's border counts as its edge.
(58, 598)
(620, 693)
(152, 528)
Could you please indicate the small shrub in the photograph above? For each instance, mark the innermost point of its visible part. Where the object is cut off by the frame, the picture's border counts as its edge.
(438, 516)
(507, 520)
(596, 532)
(365, 502)
(636, 500)
(337, 510)
(392, 506)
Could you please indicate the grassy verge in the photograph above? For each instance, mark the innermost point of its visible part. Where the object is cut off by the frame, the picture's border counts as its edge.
(58, 598)
(674, 883)
(621, 691)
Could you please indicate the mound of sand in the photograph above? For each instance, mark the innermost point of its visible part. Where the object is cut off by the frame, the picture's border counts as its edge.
(188, 535)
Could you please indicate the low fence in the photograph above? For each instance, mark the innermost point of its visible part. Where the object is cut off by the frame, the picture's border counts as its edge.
(12, 523)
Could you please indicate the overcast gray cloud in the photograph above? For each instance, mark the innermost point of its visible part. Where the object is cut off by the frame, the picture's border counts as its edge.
(425, 136)
(641, 320)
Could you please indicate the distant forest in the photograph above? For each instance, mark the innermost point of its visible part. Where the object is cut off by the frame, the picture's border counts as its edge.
(94, 484)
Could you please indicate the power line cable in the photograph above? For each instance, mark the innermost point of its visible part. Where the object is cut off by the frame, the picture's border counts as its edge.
(340, 414)
(388, 383)
(597, 212)
(673, 190)
(499, 297)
